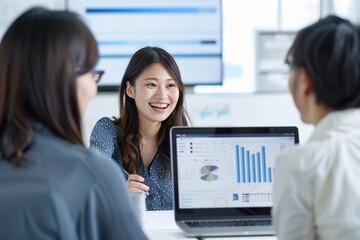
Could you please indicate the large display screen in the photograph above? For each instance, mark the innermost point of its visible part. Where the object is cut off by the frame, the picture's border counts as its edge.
(190, 30)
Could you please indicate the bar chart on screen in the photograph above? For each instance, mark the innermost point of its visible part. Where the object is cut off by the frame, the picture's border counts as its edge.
(252, 166)
(229, 171)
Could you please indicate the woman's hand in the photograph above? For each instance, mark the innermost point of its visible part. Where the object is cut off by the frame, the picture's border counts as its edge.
(135, 183)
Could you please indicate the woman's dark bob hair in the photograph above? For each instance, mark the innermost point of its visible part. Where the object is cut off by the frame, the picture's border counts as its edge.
(41, 54)
(329, 51)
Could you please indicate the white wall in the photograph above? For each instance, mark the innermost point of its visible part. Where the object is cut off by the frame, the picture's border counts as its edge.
(217, 110)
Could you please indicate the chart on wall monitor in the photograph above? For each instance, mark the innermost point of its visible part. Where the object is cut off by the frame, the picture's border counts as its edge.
(193, 36)
(208, 173)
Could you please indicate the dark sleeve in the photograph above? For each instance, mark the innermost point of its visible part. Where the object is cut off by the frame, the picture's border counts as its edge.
(103, 137)
(108, 213)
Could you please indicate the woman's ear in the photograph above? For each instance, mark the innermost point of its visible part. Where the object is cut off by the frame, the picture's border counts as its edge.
(306, 84)
(130, 91)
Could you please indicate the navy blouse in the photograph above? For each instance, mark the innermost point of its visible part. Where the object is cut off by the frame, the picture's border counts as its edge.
(104, 139)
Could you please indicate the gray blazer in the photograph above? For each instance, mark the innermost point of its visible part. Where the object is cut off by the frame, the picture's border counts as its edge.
(64, 191)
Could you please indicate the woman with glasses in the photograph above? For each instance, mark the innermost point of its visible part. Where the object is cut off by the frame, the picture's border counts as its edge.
(151, 102)
(51, 186)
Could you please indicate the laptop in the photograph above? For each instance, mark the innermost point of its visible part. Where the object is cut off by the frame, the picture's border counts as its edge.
(223, 176)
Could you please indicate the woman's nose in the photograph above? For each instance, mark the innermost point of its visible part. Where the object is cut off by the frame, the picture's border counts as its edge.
(161, 92)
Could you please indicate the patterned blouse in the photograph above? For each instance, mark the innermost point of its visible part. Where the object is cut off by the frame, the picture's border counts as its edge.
(104, 139)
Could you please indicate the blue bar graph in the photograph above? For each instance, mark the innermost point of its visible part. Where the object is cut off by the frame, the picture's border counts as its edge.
(259, 170)
(270, 177)
(248, 165)
(252, 167)
(243, 163)
(264, 161)
(237, 163)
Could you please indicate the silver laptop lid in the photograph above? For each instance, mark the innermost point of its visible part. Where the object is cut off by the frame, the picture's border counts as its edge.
(226, 172)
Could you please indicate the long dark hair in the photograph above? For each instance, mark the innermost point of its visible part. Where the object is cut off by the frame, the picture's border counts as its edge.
(128, 122)
(329, 50)
(41, 54)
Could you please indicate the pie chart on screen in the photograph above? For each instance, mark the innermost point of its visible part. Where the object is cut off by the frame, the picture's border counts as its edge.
(208, 173)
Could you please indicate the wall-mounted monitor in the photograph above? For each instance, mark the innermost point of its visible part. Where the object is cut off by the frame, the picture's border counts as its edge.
(191, 30)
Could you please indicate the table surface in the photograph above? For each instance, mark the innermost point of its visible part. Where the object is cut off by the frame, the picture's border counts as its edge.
(161, 225)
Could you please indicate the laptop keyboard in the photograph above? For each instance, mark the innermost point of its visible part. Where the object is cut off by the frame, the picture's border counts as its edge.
(228, 223)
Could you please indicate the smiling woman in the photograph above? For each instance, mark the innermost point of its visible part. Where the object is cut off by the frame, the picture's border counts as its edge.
(151, 102)
(155, 94)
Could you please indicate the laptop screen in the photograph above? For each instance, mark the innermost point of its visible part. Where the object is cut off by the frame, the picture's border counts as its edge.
(227, 167)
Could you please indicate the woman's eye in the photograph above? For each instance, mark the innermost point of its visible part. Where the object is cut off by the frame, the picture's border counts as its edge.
(172, 85)
(151, 84)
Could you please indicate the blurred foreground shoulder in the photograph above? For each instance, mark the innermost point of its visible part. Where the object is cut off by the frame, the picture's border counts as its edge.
(109, 201)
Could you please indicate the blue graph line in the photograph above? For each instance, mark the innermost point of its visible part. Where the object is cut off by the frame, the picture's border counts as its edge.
(121, 42)
(150, 10)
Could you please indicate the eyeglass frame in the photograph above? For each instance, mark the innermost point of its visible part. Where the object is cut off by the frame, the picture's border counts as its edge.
(98, 75)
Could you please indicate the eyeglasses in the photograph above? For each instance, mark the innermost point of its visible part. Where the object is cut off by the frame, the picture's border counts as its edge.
(97, 75)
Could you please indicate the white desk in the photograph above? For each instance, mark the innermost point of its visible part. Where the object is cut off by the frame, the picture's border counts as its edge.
(160, 225)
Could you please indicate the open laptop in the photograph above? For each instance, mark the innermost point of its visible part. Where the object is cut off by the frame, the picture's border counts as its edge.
(223, 178)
